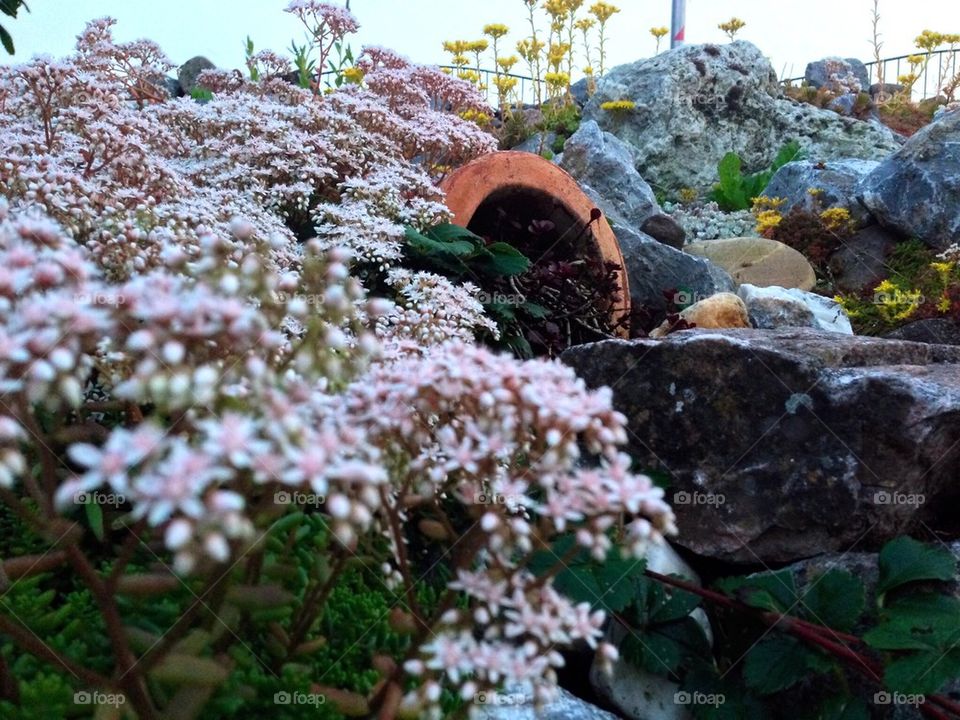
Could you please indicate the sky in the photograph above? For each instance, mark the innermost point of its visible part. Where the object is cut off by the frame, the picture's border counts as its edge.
(790, 32)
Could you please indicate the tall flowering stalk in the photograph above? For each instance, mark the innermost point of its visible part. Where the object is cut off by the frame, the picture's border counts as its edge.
(530, 49)
(603, 11)
(326, 25)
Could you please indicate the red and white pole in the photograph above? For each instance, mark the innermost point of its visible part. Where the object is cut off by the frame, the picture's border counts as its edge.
(679, 24)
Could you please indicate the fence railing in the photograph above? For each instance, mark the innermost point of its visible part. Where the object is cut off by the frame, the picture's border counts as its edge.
(940, 66)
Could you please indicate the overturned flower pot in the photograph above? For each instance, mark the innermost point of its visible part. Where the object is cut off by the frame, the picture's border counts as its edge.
(518, 192)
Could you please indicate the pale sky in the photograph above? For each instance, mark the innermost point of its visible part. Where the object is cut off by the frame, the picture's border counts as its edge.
(789, 32)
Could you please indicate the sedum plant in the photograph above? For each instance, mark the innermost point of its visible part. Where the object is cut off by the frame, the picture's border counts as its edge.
(195, 386)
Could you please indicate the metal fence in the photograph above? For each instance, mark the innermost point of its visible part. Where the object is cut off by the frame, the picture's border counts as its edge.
(941, 67)
(525, 92)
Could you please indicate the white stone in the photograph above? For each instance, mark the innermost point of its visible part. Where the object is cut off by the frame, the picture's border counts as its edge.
(773, 307)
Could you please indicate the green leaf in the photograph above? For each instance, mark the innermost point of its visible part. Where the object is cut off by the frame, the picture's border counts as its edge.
(835, 599)
(788, 153)
(677, 605)
(505, 260)
(775, 591)
(448, 232)
(905, 560)
(779, 662)
(841, 707)
(922, 673)
(927, 621)
(6, 40)
(534, 310)
(94, 515)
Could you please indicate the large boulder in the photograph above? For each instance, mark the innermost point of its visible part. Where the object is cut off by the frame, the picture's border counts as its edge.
(780, 441)
(836, 184)
(848, 74)
(916, 191)
(938, 331)
(696, 103)
(604, 165)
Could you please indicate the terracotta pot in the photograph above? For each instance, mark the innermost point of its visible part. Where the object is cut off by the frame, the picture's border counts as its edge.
(527, 178)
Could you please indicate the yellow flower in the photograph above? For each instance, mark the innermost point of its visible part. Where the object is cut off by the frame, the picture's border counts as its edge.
(573, 5)
(835, 218)
(916, 59)
(815, 192)
(688, 195)
(659, 32)
(353, 75)
(460, 60)
(555, 8)
(557, 79)
(529, 49)
(617, 106)
(944, 304)
(767, 220)
(588, 71)
(894, 303)
(504, 84)
(732, 26)
(469, 75)
(476, 46)
(495, 30)
(475, 116)
(584, 24)
(506, 63)
(603, 11)
(455, 47)
(763, 202)
(929, 40)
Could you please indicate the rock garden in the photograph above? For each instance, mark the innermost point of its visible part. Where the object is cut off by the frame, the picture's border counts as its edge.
(339, 386)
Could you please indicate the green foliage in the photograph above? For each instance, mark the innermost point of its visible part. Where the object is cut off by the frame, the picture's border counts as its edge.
(249, 52)
(736, 191)
(306, 67)
(905, 560)
(201, 94)
(456, 252)
(10, 8)
(344, 60)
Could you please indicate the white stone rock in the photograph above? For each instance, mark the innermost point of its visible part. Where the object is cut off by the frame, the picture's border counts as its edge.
(774, 307)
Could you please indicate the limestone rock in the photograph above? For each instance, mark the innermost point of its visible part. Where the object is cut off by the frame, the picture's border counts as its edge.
(696, 103)
(795, 430)
(775, 307)
(758, 261)
(916, 191)
(827, 73)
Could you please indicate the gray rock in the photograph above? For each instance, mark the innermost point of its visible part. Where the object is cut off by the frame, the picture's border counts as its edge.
(838, 180)
(533, 143)
(781, 439)
(775, 307)
(916, 191)
(696, 103)
(937, 331)
(516, 706)
(822, 73)
(580, 91)
(862, 261)
(653, 267)
(843, 104)
(190, 71)
(941, 111)
(172, 86)
(665, 229)
(603, 163)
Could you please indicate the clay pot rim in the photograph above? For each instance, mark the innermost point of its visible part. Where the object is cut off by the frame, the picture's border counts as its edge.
(470, 185)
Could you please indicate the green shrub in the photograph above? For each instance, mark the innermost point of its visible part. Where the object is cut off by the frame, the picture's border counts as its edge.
(736, 191)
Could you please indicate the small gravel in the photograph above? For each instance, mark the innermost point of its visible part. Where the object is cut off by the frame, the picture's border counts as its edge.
(707, 221)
